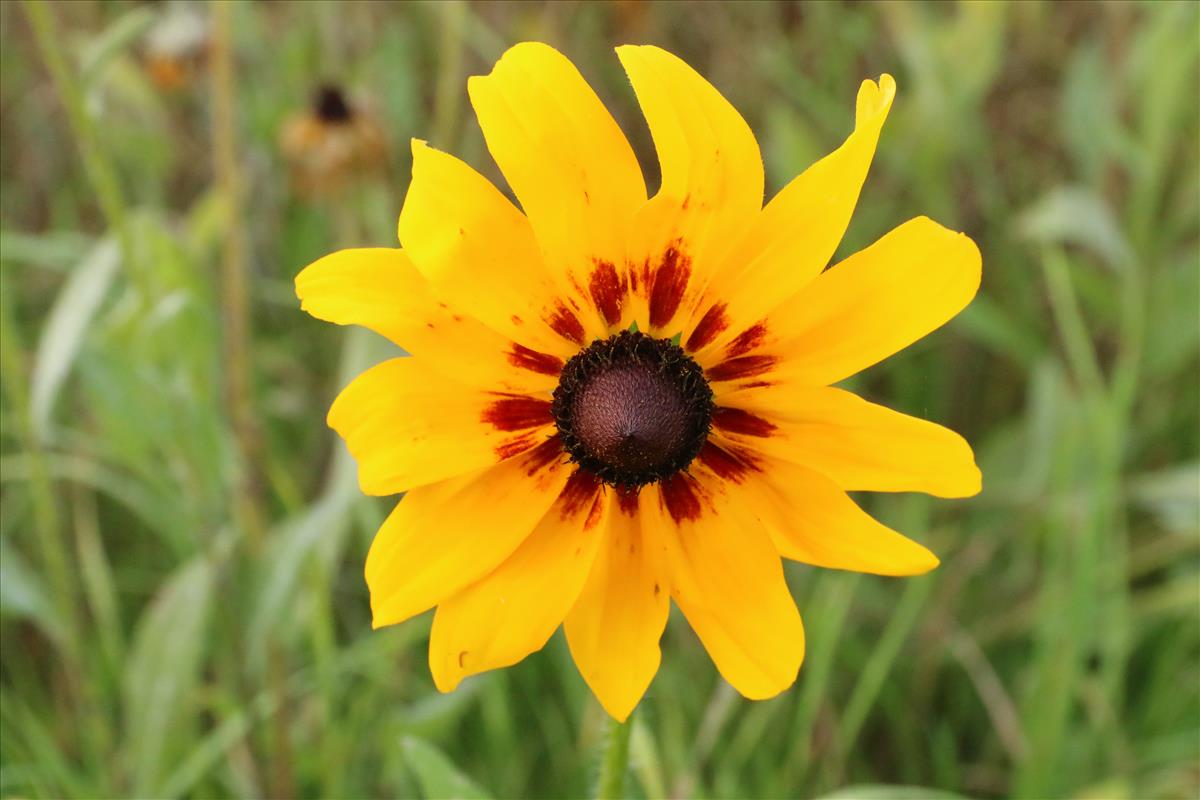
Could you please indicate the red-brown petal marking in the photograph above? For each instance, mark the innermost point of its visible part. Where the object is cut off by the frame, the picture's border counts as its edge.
(515, 413)
(608, 291)
(579, 492)
(725, 464)
(627, 500)
(679, 498)
(596, 512)
(544, 454)
(736, 420)
(670, 281)
(514, 447)
(711, 325)
(743, 367)
(747, 340)
(566, 324)
(534, 361)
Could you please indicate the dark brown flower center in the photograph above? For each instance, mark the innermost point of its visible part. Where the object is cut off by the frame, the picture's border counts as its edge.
(632, 409)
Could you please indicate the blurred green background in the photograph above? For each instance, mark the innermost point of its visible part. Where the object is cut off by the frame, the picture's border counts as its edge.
(183, 608)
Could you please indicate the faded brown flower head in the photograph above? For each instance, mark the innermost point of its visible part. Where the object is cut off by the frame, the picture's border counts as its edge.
(333, 143)
(175, 50)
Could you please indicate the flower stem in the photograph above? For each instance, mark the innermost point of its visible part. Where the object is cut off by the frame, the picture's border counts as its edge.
(616, 761)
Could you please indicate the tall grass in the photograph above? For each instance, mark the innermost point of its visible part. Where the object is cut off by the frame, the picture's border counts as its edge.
(153, 647)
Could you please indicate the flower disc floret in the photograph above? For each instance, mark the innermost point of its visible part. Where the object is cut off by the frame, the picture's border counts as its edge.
(632, 409)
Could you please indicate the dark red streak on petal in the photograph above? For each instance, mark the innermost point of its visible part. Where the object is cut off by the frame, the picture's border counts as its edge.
(608, 291)
(596, 512)
(566, 324)
(514, 447)
(747, 340)
(542, 455)
(744, 367)
(736, 420)
(711, 324)
(628, 502)
(670, 281)
(517, 413)
(679, 497)
(578, 494)
(725, 464)
(532, 360)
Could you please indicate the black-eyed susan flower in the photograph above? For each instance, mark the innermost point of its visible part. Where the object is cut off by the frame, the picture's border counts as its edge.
(616, 401)
(331, 143)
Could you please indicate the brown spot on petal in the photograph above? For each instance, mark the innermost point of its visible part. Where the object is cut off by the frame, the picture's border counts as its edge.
(747, 340)
(711, 324)
(670, 281)
(737, 420)
(723, 463)
(461, 658)
(566, 324)
(743, 367)
(679, 498)
(608, 291)
(657, 588)
(534, 361)
(515, 413)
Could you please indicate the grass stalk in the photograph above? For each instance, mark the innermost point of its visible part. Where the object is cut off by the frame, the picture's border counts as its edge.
(237, 346)
(100, 173)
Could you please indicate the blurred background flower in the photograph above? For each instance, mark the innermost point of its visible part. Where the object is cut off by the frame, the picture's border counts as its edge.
(183, 608)
(331, 143)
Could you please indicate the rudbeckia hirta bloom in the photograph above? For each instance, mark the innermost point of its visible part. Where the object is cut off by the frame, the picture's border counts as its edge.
(616, 401)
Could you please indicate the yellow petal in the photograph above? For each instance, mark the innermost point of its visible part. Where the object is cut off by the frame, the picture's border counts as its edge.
(809, 518)
(876, 302)
(614, 627)
(380, 289)
(727, 578)
(712, 187)
(445, 536)
(861, 446)
(407, 426)
(794, 237)
(568, 163)
(498, 620)
(472, 245)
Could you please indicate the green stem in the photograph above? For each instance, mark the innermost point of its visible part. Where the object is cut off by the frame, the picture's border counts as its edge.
(616, 761)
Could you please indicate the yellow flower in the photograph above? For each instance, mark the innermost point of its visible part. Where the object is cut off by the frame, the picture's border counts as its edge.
(561, 468)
